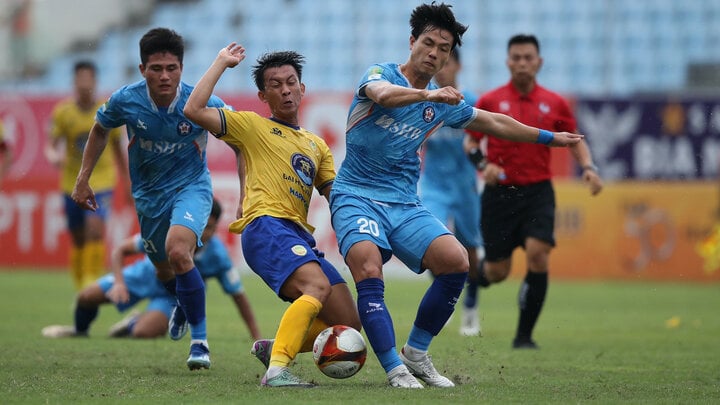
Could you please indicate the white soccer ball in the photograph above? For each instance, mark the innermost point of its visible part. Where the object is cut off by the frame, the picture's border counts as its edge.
(339, 351)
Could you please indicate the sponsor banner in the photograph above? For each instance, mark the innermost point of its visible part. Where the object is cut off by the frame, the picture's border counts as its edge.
(634, 231)
(650, 139)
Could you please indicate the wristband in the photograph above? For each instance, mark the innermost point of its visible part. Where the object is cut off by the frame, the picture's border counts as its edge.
(545, 137)
(591, 167)
(477, 158)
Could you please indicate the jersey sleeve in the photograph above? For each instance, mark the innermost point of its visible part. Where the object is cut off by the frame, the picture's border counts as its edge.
(565, 122)
(234, 123)
(480, 104)
(460, 115)
(109, 115)
(374, 73)
(326, 167)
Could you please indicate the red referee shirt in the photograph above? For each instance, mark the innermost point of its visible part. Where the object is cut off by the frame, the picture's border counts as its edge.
(525, 163)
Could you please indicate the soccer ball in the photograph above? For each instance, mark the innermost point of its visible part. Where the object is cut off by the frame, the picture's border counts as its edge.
(339, 351)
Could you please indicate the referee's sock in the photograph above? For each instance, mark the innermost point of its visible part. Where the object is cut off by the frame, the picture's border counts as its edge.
(531, 299)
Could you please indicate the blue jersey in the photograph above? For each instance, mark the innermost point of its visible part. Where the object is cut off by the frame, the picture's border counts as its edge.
(444, 158)
(382, 144)
(213, 261)
(166, 151)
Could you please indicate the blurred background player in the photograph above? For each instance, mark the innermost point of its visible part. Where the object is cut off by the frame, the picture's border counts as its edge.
(5, 154)
(72, 120)
(518, 202)
(129, 285)
(169, 174)
(285, 163)
(449, 190)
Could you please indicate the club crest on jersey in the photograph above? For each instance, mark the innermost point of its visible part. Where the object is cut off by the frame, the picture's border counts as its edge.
(304, 168)
(428, 114)
(184, 128)
(299, 250)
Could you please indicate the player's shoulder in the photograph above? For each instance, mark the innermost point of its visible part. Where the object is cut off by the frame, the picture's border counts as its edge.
(130, 92)
(548, 94)
(312, 135)
(64, 105)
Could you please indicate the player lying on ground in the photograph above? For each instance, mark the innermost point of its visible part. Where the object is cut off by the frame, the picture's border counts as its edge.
(129, 285)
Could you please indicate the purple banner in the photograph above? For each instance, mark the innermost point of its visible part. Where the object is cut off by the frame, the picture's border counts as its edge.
(653, 138)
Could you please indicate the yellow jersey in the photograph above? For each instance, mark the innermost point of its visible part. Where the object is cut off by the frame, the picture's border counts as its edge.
(74, 124)
(283, 164)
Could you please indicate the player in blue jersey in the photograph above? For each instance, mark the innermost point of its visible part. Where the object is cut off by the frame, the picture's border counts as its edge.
(169, 175)
(450, 191)
(129, 285)
(376, 211)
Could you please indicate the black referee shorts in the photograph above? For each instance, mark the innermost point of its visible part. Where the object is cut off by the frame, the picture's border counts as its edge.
(511, 214)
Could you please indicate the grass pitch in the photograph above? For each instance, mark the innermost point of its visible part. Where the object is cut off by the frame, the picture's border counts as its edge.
(601, 342)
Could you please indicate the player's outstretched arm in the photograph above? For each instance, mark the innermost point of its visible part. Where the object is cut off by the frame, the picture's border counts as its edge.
(505, 127)
(196, 108)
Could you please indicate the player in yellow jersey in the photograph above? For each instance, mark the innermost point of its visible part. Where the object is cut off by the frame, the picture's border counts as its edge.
(5, 154)
(72, 119)
(283, 164)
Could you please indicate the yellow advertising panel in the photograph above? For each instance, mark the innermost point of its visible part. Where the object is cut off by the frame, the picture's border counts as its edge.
(634, 230)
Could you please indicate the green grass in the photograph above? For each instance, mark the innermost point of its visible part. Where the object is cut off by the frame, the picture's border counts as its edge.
(601, 342)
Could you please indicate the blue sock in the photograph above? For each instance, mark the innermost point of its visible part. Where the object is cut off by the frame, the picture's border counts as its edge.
(471, 292)
(377, 322)
(83, 318)
(419, 338)
(191, 296)
(171, 286)
(439, 302)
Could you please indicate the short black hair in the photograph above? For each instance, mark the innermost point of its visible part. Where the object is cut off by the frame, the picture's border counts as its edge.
(524, 39)
(85, 64)
(159, 40)
(427, 17)
(274, 60)
(216, 210)
(455, 54)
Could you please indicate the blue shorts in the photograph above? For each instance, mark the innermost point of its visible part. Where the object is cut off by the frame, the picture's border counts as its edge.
(141, 284)
(76, 215)
(274, 248)
(458, 206)
(190, 208)
(405, 230)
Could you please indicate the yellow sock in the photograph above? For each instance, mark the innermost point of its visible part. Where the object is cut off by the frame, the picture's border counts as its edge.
(293, 329)
(93, 262)
(76, 266)
(317, 326)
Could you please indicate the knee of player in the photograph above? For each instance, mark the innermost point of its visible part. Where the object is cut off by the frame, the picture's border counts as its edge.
(179, 257)
(319, 289)
(496, 274)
